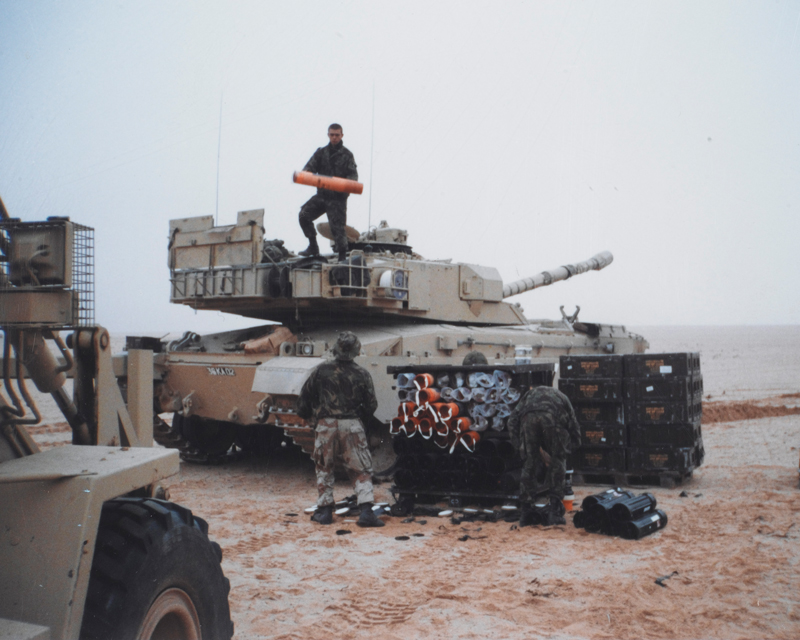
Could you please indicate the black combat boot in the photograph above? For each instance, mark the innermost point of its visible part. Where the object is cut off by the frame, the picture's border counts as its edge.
(368, 517)
(555, 512)
(529, 515)
(313, 248)
(323, 515)
(342, 257)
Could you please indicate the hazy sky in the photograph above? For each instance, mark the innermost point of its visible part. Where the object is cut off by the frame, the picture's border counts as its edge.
(521, 135)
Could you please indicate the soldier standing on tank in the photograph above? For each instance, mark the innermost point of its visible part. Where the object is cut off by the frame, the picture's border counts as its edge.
(338, 396)
(543, 419)
(331, 160)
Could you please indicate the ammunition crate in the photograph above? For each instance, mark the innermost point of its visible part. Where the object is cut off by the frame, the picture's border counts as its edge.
(672, 435)
(593, 460)
(664, 459)
(598, 389)
(595, 413)
(647, 413)
(603, 435)
(661, 388)
(591, 366)
(644, 365)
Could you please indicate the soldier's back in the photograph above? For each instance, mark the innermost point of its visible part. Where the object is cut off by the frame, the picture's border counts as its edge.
(543, 398)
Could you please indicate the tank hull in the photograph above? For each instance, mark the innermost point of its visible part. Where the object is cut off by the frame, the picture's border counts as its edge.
(241, 391)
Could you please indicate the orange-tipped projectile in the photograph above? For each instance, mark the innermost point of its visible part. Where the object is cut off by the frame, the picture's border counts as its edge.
(406, 409)
(446, 410)
(469, 440)
(331, 183)
(444, 441)
(395, 425)
(426, 396)
(410, 427)
(425, 429)
(423, 381)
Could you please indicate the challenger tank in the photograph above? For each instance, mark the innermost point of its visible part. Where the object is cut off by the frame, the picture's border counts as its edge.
(239, 388)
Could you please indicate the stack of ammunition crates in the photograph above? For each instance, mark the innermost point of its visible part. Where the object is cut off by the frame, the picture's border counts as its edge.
(639, 416)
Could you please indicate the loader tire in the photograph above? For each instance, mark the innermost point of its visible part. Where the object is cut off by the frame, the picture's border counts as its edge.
(155, 575)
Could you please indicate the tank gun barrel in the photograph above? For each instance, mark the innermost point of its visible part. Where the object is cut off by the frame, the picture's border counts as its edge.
(545, 278)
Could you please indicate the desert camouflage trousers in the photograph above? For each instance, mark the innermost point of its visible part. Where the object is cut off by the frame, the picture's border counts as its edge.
(540, 430)
(343, 439)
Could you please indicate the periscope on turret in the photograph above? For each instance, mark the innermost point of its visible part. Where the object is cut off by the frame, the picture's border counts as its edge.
(405, 309)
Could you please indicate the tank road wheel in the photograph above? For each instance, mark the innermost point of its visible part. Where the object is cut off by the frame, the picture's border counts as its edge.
(155, 576)
(208, 440)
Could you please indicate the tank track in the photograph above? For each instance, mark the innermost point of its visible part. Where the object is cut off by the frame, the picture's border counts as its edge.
(286, 419)
(164, 435)
(168, 437)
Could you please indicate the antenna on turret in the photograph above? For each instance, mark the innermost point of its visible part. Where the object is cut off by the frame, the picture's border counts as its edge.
(219, 144)
(371, 159)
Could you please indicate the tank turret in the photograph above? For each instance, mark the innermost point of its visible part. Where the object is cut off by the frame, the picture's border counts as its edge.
(230, 268)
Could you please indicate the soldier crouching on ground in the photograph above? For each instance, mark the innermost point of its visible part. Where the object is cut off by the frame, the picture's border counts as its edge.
(338, 396)
(543, 419)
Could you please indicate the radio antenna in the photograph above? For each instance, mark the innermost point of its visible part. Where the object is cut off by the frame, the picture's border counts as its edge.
(219, 144)
(371, 160)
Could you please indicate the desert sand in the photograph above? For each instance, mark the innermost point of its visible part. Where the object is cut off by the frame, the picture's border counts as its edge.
(730, 547)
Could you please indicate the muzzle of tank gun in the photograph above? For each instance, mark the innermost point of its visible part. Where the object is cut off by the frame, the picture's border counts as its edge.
(545, 278)
(342, 185)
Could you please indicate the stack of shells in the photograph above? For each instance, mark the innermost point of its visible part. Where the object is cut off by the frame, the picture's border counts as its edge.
(453, 409)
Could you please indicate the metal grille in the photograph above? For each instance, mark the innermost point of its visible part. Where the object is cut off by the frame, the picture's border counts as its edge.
(35, 259)
(83, 274)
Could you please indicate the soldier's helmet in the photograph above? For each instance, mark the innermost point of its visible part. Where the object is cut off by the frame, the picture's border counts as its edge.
(347, 347)
(474, 357)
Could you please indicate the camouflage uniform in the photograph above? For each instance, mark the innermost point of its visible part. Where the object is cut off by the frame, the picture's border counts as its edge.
(336, 396)
(339, 162)
(543, 418)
